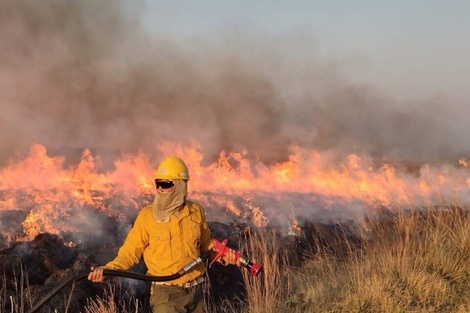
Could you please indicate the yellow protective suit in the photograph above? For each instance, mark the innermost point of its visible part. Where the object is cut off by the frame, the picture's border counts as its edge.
(166, 247)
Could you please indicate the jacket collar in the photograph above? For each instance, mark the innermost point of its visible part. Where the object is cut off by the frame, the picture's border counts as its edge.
(187, 210)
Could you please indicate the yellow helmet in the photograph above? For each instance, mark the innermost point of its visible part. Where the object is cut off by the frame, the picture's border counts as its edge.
(172, 168)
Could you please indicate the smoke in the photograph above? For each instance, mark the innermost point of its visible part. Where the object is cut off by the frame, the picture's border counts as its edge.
(85, 74)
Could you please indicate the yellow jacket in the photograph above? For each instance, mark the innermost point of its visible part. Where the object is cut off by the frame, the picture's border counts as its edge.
(166, 247)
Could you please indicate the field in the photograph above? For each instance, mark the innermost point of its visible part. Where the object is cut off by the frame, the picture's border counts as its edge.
(412, 261)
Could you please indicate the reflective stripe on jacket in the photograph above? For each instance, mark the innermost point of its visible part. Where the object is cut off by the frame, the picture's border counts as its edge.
(166, 247)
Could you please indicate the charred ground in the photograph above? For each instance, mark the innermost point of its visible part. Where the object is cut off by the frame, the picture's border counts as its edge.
(41, 264)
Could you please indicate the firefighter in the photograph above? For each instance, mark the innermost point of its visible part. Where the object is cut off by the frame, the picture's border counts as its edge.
(168, 234)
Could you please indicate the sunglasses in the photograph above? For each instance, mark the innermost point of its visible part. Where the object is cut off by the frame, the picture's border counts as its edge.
(164, 184)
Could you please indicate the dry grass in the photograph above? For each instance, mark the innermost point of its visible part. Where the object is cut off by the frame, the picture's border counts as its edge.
(16, 298)
(270, 290)
(114, 300)
(414, 262)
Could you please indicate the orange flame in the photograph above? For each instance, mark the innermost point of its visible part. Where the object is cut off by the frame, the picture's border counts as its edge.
(51, 193)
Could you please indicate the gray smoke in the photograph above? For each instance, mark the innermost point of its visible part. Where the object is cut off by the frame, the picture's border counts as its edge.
(85, 74)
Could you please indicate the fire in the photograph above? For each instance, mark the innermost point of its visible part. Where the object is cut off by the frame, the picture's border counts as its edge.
(53, 196)
(464, 162)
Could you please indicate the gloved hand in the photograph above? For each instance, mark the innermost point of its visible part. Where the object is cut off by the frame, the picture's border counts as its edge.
(230, 258)
(96, 274)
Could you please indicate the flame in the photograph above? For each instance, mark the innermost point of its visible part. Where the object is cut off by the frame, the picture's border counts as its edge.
(53, 196)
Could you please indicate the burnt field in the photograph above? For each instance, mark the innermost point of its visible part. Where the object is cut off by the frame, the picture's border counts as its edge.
(32, 269)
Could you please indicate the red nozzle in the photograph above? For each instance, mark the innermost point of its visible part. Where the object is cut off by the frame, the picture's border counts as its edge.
(221, 249)
(255, 269)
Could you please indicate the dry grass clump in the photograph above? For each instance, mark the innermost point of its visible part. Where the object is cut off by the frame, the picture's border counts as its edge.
(414, 263)
(270, 290)
(15, 296)
(114, 300)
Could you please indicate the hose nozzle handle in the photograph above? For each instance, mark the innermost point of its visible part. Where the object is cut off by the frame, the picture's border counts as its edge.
(221, 249)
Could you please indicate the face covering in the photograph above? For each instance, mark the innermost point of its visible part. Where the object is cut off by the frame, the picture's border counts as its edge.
(167, 203)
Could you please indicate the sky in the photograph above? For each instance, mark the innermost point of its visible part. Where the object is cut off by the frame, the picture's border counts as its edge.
(411, 49)
(388, 79)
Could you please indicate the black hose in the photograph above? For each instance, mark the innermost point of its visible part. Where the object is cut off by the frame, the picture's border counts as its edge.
(107, 272)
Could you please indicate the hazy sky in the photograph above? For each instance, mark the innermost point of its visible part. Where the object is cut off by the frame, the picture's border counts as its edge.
(411, 49)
